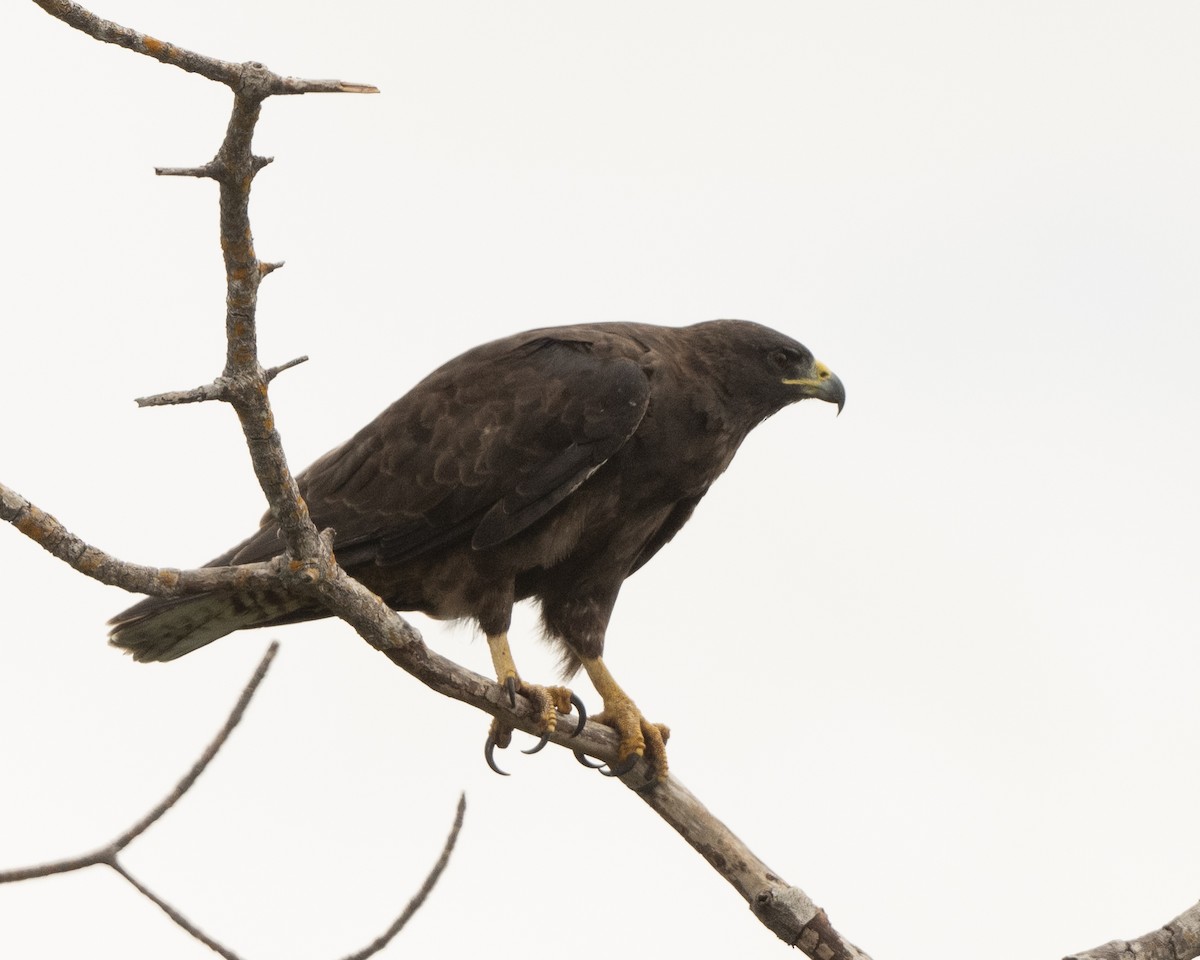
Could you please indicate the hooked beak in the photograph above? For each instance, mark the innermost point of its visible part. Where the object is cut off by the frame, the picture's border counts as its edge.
(821, 384)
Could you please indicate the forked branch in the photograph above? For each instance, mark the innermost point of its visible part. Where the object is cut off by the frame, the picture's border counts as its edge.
(109, 855)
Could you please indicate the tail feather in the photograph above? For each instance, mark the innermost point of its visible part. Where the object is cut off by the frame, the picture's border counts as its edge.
(164, 628)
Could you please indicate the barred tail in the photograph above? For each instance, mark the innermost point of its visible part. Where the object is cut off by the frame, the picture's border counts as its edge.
(163, 628)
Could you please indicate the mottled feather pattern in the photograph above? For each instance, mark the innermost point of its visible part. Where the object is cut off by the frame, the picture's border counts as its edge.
(550, 464)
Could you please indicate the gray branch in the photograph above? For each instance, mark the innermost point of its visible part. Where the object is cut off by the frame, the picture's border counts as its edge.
(1177, 940)
(91, 561)
(221, 71)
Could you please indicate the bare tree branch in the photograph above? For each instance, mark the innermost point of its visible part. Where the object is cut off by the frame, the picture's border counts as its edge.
(108, 854)
(209, 391)
(180, 920)
(1177, 940)
(222, 71)
(273, 372)
(56, 539)
(219, 389)
(421, 895)
(785, 909)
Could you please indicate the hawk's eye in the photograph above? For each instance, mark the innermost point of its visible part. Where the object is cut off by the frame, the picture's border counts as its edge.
(780, 359)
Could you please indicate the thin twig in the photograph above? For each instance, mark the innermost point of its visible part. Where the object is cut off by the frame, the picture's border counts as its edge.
(419, 898)
(273, 372)
(185, 784)
(221, 388)
(174, 914)
(205, 171)
(217, 390)
(108, 854)
(222, 71)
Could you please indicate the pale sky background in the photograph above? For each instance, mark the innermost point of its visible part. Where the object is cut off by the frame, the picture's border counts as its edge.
(935, 660)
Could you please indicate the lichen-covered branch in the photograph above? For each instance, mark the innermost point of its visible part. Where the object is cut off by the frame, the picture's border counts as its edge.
(221, 71)
(243, 383)
(53, 537)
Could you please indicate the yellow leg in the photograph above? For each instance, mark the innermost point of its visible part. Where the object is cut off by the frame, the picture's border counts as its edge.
(502, 660)
(548, 702)
(638, 735)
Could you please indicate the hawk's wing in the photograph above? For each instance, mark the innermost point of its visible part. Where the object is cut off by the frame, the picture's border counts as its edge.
(478, 451)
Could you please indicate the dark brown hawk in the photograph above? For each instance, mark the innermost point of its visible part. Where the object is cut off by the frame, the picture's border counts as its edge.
(549, 465)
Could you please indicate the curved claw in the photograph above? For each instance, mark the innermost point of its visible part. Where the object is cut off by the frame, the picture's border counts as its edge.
(538, 746)
(511, 686)
(590, 764)
(580, 724)
(488, 755)
(621, 768)
(578, 705)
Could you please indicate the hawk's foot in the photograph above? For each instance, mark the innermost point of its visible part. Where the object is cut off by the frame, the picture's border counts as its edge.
(548, 703)
(638, 736)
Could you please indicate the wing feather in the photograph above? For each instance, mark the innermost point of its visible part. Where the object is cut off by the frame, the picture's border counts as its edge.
(478, 451)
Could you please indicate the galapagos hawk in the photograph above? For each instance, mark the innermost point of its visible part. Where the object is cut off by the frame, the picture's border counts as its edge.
(549, 465)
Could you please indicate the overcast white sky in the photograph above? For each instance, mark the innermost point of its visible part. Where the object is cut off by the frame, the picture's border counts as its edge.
(935, 660)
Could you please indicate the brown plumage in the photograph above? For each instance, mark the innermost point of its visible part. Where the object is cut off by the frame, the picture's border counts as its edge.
(549, 465)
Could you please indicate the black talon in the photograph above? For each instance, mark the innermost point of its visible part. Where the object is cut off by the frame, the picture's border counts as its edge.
(488, 749)
(582, 711)
(590, 764)
(511, 686)
(621, 769)
(538, 746)
(578, 705)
